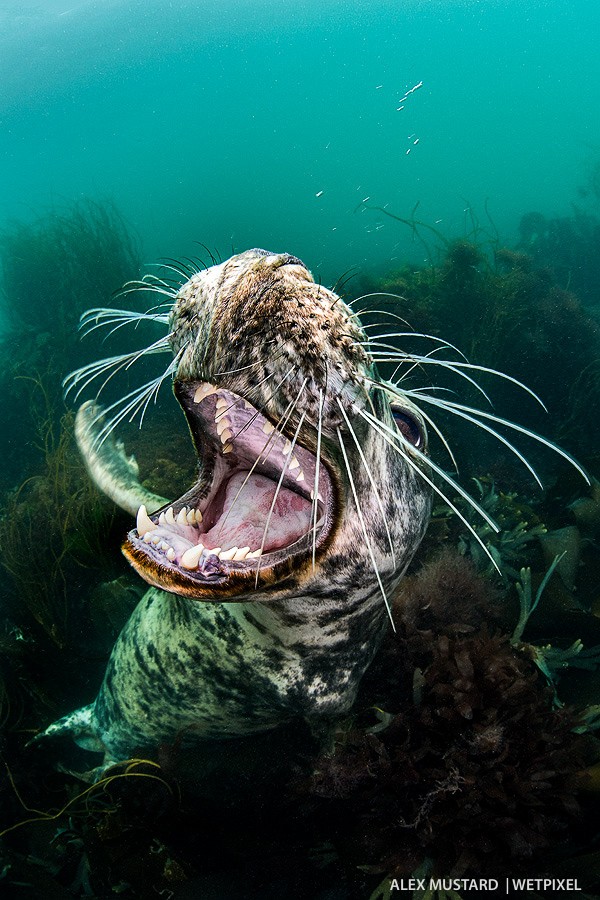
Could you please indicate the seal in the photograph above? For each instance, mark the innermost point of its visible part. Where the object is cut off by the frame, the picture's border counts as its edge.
(270, 575)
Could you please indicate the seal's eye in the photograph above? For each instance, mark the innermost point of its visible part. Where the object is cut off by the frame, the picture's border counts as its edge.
(408, 426)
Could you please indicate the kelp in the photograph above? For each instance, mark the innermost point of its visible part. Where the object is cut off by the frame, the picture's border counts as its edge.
(54, 268)
(469, 767)
(54, 523)
(502, 309)
(51, 270)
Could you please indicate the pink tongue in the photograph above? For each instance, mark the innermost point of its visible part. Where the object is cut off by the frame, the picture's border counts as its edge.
(246, 519)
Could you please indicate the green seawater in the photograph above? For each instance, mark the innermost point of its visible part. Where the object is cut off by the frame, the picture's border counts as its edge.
(240, 123)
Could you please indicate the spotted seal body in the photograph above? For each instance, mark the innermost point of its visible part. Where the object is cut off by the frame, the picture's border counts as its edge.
(270, 575)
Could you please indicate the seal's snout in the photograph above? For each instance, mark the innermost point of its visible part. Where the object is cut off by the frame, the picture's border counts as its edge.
(277, 260)
(292, 260)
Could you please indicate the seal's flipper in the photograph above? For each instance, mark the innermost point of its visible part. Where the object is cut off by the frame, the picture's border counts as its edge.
(77, 726)
(109, 467)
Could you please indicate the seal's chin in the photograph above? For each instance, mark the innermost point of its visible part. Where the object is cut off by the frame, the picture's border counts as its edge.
(256, 515)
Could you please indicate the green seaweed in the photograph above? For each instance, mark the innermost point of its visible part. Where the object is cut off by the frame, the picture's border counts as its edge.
(505, 310)
(51, 270)
(54, 523)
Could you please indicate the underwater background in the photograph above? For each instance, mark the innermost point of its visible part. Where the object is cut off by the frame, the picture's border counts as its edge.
(256, 123)
(445, 152)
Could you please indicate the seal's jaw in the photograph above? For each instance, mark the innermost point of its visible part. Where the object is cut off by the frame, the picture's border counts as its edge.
(256, 516)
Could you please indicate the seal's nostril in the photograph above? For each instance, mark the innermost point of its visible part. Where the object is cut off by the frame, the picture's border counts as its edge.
(292, 260)
(276, 260)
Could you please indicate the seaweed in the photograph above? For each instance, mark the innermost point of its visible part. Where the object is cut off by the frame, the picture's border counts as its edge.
(568, 246)
(470, 767)
(51, 270)
(55, 522)
(58, 266)
(504, 309)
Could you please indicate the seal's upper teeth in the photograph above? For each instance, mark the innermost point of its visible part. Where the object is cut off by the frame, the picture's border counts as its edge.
(144, 523)
(300, 476)
(294, 464)
(182, 516)
(222, 425)
(268, 428)
(162, 519)
(204, 390)
(190, 558)
(170, 516)
(286, 448)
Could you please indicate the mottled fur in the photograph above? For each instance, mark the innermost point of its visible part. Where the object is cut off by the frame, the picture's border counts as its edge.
(300, 641)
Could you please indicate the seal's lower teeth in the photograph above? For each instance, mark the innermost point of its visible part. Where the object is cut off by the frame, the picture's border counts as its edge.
(229, 554)
(190, 558)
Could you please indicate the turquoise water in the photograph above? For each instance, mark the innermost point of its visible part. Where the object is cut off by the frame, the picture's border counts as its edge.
(245, 124)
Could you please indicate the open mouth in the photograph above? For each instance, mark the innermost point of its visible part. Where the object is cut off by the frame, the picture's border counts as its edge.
(258, 512)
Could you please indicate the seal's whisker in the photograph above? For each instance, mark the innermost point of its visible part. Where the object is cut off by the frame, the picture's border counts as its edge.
(441, 436)
(214, 259)
(138, 400)
(414, 361)
(392, 437)
(376, 493)
(363, 526)
(361, 313)
(464, 411)
(169, 371)
(267, 446)
(455, 365)
(160, 346)
(196, 265)
(134, 287)
(151, 278)
(177, 266)
(91, 371)
(261, 410)
(167, 265)
(287, 413)
(278, 488)
(484, 427)
(315, 500)
(375, 340)
(343, 280)
(380, 294)
(253, 365)
(103, 318)
(389, 433)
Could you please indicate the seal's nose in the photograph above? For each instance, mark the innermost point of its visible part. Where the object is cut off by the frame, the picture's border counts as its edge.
(276, 260)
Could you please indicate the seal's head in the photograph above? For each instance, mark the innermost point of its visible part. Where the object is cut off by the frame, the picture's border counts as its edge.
(306, 467)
